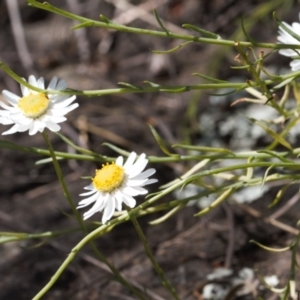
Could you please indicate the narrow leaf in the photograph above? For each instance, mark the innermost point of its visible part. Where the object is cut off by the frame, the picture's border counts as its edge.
(279, 196)
(161, 143)
(211, 79)
(281, 158)
(204, 32)
(204, 149)
(152, 84)
(171, 50)
(160, 22)
(218, 201)
(270, 249)
(131, 86)
(272, 133)
(252, 40)
(168, 215)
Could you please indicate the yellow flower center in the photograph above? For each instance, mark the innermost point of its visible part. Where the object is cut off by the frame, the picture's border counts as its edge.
(108, 178)
(34, 105)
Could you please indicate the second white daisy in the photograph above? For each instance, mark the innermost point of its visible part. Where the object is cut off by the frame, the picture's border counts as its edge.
(115, 184)
(285, 38)
(36, 111)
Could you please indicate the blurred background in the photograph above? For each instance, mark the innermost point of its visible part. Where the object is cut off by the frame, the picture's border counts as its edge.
(37, 42)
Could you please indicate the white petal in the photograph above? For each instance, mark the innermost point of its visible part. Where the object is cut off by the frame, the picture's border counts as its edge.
(24, 89)
(13, 129)
(52, 84)
(150, 181)
(97, 207)
(5, 113)
(64, 111)
(55, 98)
(134, 182)
(138, 167)
(119, 199)
(129, 201)
(108, 210)
(88, 193)
(296, 28)
(145, 174)
(119, 161)
(18, 117)
(10, 108)
(89, 187)
(32, 80)
(64, 102)
(287, 52)
(61, 85)
(52, 126)
(12, 98)
(130, 160)
(89, 200)
(41, 83)
(128, 190)
(5, 121)
(58, 119)
(34, 128)
(295, 65)
(23, 128)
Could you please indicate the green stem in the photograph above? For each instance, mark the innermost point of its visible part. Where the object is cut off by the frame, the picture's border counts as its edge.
(18, 236)
(156, 266)
(62, 182)
(155, 159)
(85, 22)
(153, 88)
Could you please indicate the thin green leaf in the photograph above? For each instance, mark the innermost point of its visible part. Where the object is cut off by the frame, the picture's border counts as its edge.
(152, 84)
(270, 249)
(274, 290)
(171, 50)
(204, 149)
(105, 19)
(218, 201)
(204, 32)
(281, 158)
(282, 84)
(240, 67)
(168, 215)
(272, 133)
(160, 22)
(249, 172)
(175, 89)
(279, 196)
(266, 174)
(131, 86)
(161, 143)
(46, 161)
(211, 79)
(252, 40)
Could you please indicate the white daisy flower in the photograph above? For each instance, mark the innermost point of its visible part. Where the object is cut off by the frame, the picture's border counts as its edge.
(115, 184)
(36, 111)
(285, 38)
